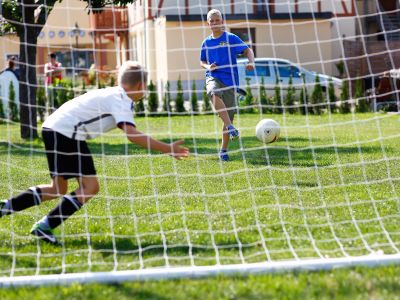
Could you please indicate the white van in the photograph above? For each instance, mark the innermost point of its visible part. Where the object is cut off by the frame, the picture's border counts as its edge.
(272, 68)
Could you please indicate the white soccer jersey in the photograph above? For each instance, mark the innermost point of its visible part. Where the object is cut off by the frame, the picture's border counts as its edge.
(92, 114)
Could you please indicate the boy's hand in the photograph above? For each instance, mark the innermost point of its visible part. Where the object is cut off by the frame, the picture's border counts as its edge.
(250, 66)
(212, 67)
(177, 151)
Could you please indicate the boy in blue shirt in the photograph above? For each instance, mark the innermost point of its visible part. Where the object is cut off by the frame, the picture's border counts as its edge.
(218, 57)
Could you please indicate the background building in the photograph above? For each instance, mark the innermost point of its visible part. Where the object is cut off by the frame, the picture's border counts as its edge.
(165, 36)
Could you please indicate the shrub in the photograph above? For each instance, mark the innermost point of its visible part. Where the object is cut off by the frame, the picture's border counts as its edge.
(13, 107)
(263, 98)
(304, 98)
(317, 97)
(345, 106)
(206, 101)
(277, 98)
(331, 96)
(139, 108)
(41, 100)
(248, 99)
(290, 96)
(61, 93)
(152, 101)
(340, 68)
(112, 81)
(193, 98)
(179, 101)
(362, 105)
(83, 91)
(167, 98)
(2, 113)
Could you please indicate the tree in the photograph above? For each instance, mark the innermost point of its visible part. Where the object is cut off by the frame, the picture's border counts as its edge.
(26, 18)
(179, 101)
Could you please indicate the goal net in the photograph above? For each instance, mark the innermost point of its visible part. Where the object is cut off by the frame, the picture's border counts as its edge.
(325, 195)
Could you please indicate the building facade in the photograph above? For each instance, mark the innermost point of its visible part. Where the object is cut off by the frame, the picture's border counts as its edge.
(166, 35)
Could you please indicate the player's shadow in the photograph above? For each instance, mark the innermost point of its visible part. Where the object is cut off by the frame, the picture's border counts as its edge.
(22, 149)
(127, 247)
(281, 153)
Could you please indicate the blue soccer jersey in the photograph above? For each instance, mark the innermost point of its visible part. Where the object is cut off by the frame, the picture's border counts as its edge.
(223, 51)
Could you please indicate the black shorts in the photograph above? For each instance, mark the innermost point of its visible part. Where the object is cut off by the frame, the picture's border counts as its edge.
(67, 157)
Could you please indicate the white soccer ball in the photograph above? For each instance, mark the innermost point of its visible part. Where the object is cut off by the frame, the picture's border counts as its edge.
(267, 131)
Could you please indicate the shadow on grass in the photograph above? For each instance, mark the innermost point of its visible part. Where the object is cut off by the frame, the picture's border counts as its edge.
(127, 246)
(277, 154)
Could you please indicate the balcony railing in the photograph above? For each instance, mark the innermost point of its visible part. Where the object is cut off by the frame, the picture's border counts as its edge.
(110, 19)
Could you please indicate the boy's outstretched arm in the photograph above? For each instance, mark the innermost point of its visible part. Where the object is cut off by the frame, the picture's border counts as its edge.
(174, 149)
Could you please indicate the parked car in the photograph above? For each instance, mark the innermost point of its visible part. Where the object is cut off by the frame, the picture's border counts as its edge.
(386, 95)
(272, 68)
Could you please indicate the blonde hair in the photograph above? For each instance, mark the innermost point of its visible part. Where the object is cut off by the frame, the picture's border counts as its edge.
(131, 72)
(212, 13)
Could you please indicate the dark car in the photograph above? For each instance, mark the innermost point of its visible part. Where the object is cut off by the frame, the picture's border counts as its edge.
(386, 94)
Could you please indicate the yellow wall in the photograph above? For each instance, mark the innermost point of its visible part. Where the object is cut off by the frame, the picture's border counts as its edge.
(176, 46)
(9, 45)
(62, 19)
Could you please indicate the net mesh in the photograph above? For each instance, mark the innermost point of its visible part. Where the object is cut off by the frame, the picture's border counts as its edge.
(328, 188)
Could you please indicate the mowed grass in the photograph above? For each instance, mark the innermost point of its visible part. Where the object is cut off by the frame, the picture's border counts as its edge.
(328, 188)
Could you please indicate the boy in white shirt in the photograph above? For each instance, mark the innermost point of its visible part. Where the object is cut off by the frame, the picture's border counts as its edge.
(65, 133)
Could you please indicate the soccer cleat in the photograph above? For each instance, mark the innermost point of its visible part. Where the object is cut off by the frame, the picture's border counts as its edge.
(233, 132)
(46, 235)
(223, 155)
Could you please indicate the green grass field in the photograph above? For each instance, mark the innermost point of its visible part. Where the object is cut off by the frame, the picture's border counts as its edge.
(328, 188)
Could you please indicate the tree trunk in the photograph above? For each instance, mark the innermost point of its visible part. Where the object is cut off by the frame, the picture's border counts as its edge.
(27, 87)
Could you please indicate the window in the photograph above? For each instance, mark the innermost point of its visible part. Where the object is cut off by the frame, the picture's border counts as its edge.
(75, 61)
(260, 6)
(261, 70)
(287, 70)
(247, 35)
